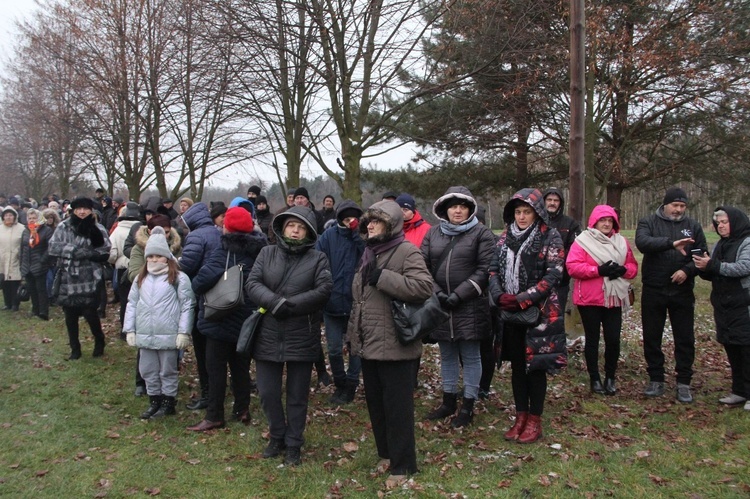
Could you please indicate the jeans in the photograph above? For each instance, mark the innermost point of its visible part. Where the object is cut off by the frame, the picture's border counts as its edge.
(610, 320)
(655, 304)
(468, 352)
(335, 334)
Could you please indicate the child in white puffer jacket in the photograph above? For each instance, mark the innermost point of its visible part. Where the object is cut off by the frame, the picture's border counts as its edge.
(158, 320)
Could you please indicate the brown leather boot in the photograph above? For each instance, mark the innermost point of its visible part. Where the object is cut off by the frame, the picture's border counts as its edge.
(533, 430)
(517, 428)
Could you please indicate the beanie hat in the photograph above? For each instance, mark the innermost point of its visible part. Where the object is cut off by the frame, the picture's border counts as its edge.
(157, 244)
(238, 219)
(218, 210)
(159, 221)
(118, 200)
(675, 194)
(255, 189)
(406, 201)
(348, 212)
(301, 191)
(131, 210)
(261, 199)
(81, 202)
(390, 195)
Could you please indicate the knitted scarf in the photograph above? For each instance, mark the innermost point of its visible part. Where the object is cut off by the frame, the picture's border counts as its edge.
(516, 242)
(602, 249)
(369, 257)
(450, 229)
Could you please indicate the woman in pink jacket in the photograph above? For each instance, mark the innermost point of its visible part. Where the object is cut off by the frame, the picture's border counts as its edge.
(601, 262)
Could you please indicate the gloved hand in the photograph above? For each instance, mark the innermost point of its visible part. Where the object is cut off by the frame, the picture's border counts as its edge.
(354, 224)
(183, 341)
(374, 276)
(508, 302)
(130, 338)
(285, 310)
(453, 301)
(84, 253)
(442, 298)
(605, 269)
(618, 272)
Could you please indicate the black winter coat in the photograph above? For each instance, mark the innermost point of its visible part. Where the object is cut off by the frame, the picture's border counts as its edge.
(35, 261)
(295, 338)
(243, 249)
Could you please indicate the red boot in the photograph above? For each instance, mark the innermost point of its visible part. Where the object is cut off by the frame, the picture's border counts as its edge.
(533, 430)
(517, 428)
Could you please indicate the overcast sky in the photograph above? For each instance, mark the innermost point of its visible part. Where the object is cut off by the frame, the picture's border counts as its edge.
(10, 11)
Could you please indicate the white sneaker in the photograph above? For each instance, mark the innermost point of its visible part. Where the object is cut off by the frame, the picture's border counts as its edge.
(732, 399)
(747, 405)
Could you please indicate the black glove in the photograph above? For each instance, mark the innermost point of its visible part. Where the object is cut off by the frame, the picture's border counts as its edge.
(84, 253)
(442, 298)
(374, 276)
(605, 269)
(453, 301)
(618, 272)
(285, 310)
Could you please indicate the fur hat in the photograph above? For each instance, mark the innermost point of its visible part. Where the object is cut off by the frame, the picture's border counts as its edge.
(157, 244)
(82, 202)
(675, 194)
(238, 219)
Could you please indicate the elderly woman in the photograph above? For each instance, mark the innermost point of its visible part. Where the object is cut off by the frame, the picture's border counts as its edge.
(35, 262)
(458, 252)
(526, 267)
(390, 268)
(81, 245)
(728, 269)
(11, 235)
(601, 261)
(292, 281)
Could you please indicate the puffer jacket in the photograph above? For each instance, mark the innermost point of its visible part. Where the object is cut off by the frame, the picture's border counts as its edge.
(35, 261)
(588, 286)
(295, 338)
(343, 247)
(416, 229)
(158, 311)
(542, 269)
(10, 247)
(655, 237)
(405, 277)
(729, 273)
(204, 237)
(137, 260)
(464, 271)
(119, 235)
(81, 247)
(243, 249)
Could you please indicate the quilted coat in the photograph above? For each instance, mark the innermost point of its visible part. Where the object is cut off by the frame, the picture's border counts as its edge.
(464, 271)
(542, 269)
(10, 247)
(295, 338)
(158, 311)
(202, 239)
(371, 331)
(35, 261)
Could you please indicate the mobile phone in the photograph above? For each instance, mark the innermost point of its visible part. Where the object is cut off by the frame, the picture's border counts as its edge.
(696, 252)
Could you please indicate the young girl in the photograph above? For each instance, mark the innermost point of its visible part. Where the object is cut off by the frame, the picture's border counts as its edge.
(158, 320)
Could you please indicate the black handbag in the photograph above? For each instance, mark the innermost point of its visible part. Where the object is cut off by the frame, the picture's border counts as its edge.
(246, 341)
(415, 321)
(529, 317)
(226, 295)
(23, 293)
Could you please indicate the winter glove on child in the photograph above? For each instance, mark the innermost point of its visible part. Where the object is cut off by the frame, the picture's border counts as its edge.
(183, 341)
(130, 338)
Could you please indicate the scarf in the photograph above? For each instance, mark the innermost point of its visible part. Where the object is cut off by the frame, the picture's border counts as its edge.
(157, 268)
(604, 249)
(450, 229)
(516, 242)
(368, 263)
(34, 235)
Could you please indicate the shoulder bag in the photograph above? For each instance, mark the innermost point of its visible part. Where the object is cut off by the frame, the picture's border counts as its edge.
(246, 341)
(529, 317)
(226, 295)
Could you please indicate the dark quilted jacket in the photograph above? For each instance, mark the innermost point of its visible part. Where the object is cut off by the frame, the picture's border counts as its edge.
(202, 239)
(35, 261)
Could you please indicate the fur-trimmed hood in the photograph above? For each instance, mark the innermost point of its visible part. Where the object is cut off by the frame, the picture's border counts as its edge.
(530, 196)
(173, 238)
(440, 207)
(386, 211)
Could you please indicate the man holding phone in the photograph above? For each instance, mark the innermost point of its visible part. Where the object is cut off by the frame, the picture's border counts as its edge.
(667, 240)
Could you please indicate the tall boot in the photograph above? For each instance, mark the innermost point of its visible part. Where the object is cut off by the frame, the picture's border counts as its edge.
(517, 428)
(533, 430)
(447, 408)
(167, 408)
(465, 415)
(155, 404)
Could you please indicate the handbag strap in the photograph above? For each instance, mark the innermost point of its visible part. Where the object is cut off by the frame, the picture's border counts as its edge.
(444, 255)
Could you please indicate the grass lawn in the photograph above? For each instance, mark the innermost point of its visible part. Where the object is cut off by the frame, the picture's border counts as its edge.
(71, 429)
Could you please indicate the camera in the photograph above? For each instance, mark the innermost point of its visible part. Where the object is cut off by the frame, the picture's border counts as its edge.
(696, 252)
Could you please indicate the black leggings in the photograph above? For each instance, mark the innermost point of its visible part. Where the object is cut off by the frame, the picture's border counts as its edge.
(610, 320)
(529, 388)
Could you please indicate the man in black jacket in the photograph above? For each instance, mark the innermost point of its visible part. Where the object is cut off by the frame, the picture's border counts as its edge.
(668, 273)
(554, 203)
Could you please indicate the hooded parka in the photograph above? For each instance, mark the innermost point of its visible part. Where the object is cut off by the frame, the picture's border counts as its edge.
(10, 247)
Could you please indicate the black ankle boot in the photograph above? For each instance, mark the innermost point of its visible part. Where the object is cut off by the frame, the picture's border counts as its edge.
(167, 408)
(447, 408)
(609, 386)
(155, 404)
(597, 387)
(98, 347)
(199, 403)
(465, 415)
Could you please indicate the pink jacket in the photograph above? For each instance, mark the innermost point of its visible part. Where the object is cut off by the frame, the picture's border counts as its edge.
(588, 287)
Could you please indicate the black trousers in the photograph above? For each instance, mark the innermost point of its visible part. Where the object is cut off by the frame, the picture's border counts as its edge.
(219, 354)
(655, 304)
(288, 426)
(90, 314)
(608, 320)
(529, 388)
(10, 294)
(389, 391)
(37, 286)
(123, 290)
(199, 350)
(739, 361)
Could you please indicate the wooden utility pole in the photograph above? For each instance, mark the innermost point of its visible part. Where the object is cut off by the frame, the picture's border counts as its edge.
(577, 110)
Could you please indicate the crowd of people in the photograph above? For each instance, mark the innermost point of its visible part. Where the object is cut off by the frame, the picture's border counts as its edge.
(505, 297)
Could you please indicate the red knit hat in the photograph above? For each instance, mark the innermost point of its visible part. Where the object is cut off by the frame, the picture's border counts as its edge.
(238, 219)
